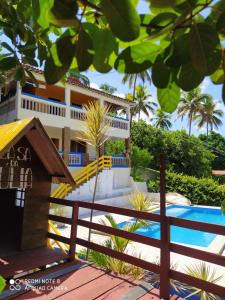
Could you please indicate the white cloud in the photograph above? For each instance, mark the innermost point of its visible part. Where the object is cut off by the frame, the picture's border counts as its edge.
(94, 85)
(121, 95)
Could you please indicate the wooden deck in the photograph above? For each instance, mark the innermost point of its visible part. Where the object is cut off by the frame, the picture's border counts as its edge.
(27, 260)
(82, 282)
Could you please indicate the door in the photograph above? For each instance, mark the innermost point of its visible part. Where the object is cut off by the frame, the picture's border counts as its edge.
(11, 218)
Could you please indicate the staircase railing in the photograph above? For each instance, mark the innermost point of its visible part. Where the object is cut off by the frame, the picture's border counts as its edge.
(83, 175)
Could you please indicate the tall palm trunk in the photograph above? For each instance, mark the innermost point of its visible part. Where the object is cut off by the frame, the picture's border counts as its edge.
(93, 199)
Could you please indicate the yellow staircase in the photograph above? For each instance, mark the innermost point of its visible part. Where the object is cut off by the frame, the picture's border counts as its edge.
(82, 176)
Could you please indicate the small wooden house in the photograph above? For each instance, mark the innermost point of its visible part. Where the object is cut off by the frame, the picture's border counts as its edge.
(28, 162)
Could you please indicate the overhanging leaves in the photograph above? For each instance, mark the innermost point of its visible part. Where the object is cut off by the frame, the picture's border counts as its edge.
(137, 58)
(106, 48)
(59, 61)
(169, 97)
(84, 50)
(204, 48)
(183, 77)
(122, 17)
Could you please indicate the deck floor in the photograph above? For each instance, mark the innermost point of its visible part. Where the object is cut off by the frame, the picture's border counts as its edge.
(85, 283)
(27, 260)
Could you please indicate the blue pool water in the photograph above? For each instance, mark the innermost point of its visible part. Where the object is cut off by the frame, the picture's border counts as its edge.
(185, 235)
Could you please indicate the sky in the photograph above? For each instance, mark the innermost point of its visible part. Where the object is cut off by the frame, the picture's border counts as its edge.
(115, 79)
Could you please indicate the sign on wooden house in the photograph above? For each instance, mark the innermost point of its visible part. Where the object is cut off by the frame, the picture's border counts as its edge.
(28, 162)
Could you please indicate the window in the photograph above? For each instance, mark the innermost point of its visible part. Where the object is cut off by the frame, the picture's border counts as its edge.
(20, 197)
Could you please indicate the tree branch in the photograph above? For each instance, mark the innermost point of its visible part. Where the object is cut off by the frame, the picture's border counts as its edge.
(87, 3)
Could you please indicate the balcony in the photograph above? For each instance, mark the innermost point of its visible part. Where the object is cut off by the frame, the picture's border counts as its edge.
(62, 115)
(76, 159)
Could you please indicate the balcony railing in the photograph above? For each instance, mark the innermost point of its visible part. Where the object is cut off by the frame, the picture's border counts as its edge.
(51, 107)
(120, 161)
(42, 105)
(76, 159)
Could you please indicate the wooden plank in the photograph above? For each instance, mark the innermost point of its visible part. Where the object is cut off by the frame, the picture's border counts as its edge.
(121, 256)
(59, 238)
(121, 211)
(95, 289)
(198, 254)
(202, 226)
(201, 284)
(28, 260)
(66, 284)
(60, 219)
(121, 233)
(61, 201)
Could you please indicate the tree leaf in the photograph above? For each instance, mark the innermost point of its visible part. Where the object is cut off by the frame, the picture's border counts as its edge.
(42, 11)
(218, 77)
(204, 48)
(2, 283)
(64, 9)
(137, 58)
(84, 50)
(106, 48)
(160, 74)
(64, 54)
(220, 25)
(123, 18)
(8, 63)
(188, 78)
(177, 53)
(169, 97)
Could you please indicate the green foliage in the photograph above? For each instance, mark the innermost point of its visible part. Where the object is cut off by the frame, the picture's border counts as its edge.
(113, 147)
(185, 154)
(216, 144)
(2, 283)
(202, 191)
(180, 41)
(139, 158)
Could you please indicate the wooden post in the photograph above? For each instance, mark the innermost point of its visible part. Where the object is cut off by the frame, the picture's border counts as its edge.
(73, 233)
(165, 235)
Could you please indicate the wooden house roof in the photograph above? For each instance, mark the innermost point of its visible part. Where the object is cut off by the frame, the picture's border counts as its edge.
(45, 149)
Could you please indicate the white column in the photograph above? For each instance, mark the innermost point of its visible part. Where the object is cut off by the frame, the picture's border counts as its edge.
(18, 100)
(67, 101)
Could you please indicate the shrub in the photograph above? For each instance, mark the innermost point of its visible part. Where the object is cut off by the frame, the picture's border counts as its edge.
(139, 158)
(204, 191)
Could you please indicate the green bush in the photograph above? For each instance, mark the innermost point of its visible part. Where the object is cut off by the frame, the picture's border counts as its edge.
(204, 191)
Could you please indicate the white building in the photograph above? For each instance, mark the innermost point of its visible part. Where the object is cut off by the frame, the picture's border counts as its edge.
(60, 109)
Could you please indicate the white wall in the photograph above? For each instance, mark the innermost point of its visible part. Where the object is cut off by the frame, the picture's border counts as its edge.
(121, 177)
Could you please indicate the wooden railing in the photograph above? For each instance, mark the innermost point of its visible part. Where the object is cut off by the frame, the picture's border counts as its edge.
(165, 245)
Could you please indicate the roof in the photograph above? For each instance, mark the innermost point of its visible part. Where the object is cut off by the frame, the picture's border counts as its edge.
(45, 149)
(218, 172)
(74, 81)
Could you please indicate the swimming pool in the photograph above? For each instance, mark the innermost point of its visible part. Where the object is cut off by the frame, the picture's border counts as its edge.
(185, 235)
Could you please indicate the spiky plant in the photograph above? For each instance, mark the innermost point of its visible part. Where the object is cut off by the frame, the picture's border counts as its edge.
(204, 272)
(94, 134)
(154, 278)
(140, 201)
(118, 244)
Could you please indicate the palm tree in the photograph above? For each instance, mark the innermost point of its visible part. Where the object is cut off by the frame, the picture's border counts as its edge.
(162, 119)
(108, 88)
(94, 134)
(131, 79)
(209, 114)
(142, 103)
(190, 105)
